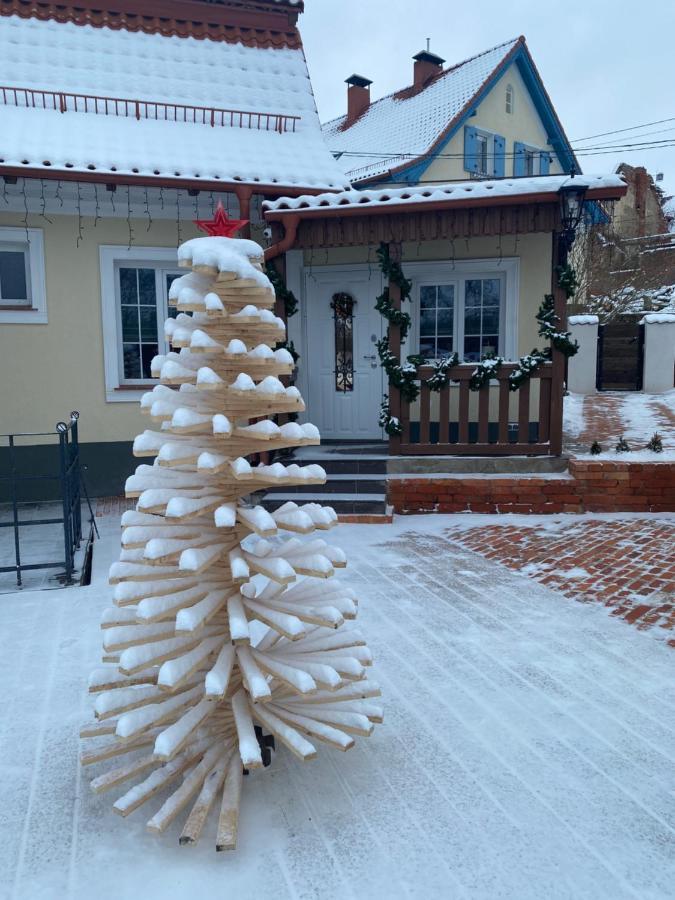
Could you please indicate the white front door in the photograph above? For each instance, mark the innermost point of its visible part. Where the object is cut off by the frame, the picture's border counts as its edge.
(343, 376)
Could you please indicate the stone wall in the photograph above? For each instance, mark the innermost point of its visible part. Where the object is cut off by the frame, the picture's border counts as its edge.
(591, 486)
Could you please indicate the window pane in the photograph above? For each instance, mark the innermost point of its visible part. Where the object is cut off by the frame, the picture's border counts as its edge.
(472, 321)
(148, 323)
(427, 297)
(446, 296)
(444, 324)
(489, 345)
(13, 275)
(491, 320)
(149, 351)
(427, 322)
(128, 291)
(491, 291)
(129, 323)
(473, 292)
(132, 361)
(171, 311)
(472, 349)
(427, 348)
(444, 345)
(146, 286)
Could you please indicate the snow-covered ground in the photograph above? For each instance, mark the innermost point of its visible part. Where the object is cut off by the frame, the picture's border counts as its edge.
(527, 751)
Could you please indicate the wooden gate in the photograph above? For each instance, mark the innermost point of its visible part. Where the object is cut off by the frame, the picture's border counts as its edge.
(620, 355)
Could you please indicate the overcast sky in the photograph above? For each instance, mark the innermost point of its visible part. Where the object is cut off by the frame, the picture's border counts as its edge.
(606, 65)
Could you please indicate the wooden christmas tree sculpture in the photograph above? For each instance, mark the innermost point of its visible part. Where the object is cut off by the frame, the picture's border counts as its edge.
(226, 626)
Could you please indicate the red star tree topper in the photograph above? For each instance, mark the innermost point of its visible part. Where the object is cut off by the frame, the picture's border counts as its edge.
(220, 225)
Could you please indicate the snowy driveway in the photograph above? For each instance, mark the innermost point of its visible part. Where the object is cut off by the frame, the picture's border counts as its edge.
(527, 751)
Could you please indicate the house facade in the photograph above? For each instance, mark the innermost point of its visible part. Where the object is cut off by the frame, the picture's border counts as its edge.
(119, 127)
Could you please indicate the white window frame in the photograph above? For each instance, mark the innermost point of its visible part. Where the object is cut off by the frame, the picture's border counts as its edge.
(36, 312)
(117, 388)
(430, 273)
(509, 101)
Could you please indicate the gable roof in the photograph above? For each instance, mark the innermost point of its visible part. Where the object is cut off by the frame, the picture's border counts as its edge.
(178, 110)
(406, 128)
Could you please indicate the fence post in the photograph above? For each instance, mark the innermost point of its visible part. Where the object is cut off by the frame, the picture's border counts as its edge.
(62, 430)
(582, 367)
(659, 352)
(15, 510)
(394, 333)
(558, 258)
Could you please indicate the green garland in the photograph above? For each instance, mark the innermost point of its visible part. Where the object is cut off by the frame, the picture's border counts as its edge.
(441, 374)
(391, 424)
(547, 319)
(287, 297)
(486, 369)
(393, 272)
(405, 376)
(567, 280)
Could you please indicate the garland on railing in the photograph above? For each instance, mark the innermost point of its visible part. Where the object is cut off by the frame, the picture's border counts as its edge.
(393, 272)
(404, 376)
(391, 424)
(441, 374)
(401, 375)
(287, 297)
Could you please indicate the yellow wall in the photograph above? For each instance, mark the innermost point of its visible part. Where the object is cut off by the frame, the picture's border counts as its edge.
(533, 250)
(522, 125)
(49, 370)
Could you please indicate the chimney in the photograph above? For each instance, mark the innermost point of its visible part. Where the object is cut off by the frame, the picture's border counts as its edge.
(358, 97)
(427, 66)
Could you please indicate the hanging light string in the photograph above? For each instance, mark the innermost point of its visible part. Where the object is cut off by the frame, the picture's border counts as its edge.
(147, 209)
(57, 193)
(96, 207)
(131, 230)
(197, 205)
(80, 235)
(43, 202)
(161, 197)
(25, 208)
(4, 192)
(212, 201)
(178, 232)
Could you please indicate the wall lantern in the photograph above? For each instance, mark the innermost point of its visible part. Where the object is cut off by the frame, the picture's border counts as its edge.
(571, 209)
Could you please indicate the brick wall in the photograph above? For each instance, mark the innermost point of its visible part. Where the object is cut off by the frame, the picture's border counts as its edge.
(592, 487)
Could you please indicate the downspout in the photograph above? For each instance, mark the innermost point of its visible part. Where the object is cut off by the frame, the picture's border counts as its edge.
(290, 233)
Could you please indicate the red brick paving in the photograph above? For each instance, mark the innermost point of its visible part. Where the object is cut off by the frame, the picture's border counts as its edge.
(626, 565)
(606, 420)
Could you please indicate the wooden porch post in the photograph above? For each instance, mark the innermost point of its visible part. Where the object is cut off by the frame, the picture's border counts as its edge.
(558, 258)
(394, 333)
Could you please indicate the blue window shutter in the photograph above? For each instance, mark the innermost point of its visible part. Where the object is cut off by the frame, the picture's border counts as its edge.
(470, 149)
(518, 159)
(544, 163)
(500, 148)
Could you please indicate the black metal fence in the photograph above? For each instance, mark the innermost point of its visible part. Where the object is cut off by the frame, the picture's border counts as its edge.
(68, 478)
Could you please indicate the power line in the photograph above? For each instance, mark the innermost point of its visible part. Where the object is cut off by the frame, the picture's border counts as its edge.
(623, 130)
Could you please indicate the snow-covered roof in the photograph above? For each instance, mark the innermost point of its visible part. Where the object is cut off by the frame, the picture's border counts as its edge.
(457, 192)
(81, 60)
(410, 123)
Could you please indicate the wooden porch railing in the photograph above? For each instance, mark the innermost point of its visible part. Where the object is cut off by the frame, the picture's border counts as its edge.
(502, 422)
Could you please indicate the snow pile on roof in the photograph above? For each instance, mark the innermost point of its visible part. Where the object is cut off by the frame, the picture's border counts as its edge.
(456, 191)
(410, 125)
(64, 57)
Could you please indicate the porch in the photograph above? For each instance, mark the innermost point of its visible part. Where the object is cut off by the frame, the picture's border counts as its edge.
(501, 235)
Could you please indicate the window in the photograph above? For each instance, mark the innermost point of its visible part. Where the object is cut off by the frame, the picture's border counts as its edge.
(484, 153)
(22, 277)
(437, 319)
(343, 317)
(482, 317)
(134, 292)
(470, 306)
(529, 160)
(509, 98)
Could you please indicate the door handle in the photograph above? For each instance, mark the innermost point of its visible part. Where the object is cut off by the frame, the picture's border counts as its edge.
(373, 356)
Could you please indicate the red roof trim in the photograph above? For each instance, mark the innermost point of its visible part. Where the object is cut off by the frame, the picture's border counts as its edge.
(254, 24)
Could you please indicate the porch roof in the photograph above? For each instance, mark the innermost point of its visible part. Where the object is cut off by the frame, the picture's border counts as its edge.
(455, 195)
